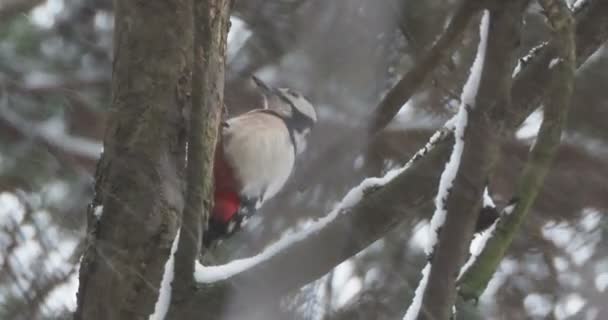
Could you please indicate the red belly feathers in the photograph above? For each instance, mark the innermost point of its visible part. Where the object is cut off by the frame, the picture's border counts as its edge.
(226, 196)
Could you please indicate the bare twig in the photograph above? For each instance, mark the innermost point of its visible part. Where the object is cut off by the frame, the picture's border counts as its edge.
(412, 80)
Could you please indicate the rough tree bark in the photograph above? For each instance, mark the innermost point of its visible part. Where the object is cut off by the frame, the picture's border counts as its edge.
(139, 178)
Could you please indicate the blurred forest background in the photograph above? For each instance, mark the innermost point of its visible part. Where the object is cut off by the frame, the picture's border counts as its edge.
(55, 72)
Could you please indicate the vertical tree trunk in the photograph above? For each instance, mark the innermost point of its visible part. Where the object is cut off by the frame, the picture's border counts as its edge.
(211, 23)
(139, 178)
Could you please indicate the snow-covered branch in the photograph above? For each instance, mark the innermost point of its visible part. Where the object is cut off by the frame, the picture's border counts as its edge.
(459, 122)
(164, 292)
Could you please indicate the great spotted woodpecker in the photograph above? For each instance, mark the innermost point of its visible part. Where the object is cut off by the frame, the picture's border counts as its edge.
(255, 156)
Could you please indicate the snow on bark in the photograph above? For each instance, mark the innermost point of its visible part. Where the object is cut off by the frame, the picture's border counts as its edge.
(479, 243)
(487, 199)
(579, 5)
(414, 308)
(459, 124)
(553, 62)
(98, 211)
(523, 61)
(164, 293)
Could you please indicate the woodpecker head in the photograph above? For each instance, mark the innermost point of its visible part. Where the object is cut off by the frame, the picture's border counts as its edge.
(293, 107)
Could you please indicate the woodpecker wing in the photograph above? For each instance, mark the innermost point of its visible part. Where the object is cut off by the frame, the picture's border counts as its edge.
(258, 147)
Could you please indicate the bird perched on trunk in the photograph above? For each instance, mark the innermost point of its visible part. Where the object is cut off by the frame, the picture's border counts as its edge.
(255, 156)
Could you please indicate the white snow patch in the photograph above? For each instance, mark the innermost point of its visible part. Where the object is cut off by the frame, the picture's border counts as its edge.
(341, 274)
(529, 129)
(347, 292)
(10, 208)
(469, 91)
(98, 211)
(477, 246)
(527, 58)
(420, 236)
(64, 295)
(447, 177)
(578, 5)
(487, 199)
(414, 308)
(553, 62)
(459, 122)
(164, 293)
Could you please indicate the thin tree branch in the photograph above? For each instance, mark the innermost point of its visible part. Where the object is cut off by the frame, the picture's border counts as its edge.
(476, 278)
(412, 80)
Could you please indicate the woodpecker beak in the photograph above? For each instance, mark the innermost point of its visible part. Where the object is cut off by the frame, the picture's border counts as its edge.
(264, 87)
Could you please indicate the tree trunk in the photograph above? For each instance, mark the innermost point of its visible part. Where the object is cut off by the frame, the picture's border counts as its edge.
(139, 178)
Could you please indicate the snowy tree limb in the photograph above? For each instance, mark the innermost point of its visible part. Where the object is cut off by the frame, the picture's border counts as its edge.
(462, 200)
(476, 278)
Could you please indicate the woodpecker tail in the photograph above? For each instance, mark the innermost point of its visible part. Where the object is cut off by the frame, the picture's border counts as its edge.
(219, 229)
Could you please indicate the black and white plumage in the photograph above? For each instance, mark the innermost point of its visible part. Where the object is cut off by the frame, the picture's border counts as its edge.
(256, 155)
